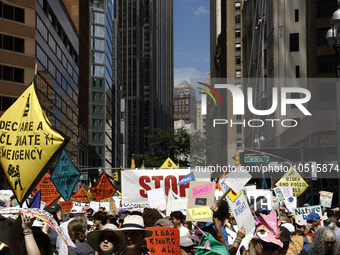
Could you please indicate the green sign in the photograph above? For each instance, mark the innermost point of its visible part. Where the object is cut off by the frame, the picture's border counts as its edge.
(83, 177)
(250, 159)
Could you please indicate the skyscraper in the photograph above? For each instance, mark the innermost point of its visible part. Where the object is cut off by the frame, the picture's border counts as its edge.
(146, 31)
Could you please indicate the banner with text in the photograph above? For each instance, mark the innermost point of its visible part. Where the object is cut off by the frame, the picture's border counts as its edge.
(103, 188)
(49, 192)
(260, 198)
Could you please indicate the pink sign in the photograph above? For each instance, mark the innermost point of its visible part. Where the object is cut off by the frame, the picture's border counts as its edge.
(202, 190)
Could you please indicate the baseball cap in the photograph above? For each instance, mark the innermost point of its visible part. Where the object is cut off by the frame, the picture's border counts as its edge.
(312, 216)
(53, 208)
(77, 209)
(186, 241)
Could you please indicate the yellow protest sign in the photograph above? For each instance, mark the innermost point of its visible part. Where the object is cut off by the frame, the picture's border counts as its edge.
(28, 144)
(199, 212)
(293, 179)
(168, 163)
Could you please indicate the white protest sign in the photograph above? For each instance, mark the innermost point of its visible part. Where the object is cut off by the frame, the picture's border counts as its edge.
(106, 205)
(94, 205)
(237, 180)
(240, 208)
(326, 198)
(135, 184)
(302, 212)
(260, 198)
(156, 199)
(279, 193)
(291, 203)
(180, 204)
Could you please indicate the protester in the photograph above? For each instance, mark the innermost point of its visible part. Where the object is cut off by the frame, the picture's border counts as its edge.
(298, 240)
(99, 220)
(104, 241)
(285, 238)
(177, 219)
(331, 223)
(150, 216)
(76, 213)
(313, 222)
(133, 233)
(55, 210)
(231, 228)
(187, 246)
(323, 242)
(164, 222)
(76, 230)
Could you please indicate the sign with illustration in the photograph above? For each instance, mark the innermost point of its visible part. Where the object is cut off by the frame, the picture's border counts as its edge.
(103, 188)
(49, 192)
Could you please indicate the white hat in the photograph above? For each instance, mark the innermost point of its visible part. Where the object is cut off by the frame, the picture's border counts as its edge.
(289, 226)
(77, 209)
(134, 222)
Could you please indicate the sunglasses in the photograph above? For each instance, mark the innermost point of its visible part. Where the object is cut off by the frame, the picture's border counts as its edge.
(109, 238)
(269, 246)
(329, 242)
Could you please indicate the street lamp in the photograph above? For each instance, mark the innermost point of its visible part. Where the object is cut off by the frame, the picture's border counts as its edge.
(260, 140)
(332, 37)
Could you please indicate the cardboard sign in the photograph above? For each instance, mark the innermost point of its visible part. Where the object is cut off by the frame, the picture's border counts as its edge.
(201, 197)
(241, 211)
(260, 198)
(103, 188)
(237, 180)
(80, 196)
(135, 184)
(293, 179)
(302, 212)
(157, 199)
(65, 176)
(164, 240)
(28, 144)
(326, 199)
(66, 207)
(279, 193)
(49, 192)
(44, 216)
(180, 204)
(112, 204)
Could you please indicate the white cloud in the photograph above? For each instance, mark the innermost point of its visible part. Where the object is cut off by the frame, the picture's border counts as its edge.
(187, 73)
(201, 10)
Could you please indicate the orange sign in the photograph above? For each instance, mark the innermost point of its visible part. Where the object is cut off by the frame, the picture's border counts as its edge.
(66, 207)
(164, 240)
(80, 196)
(49, 192)
(103, 188)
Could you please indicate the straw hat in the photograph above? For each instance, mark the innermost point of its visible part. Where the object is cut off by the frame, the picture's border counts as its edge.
(134, 222)
(92, 237)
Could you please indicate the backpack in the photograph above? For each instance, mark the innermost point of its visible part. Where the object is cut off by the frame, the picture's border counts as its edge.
(306, 246)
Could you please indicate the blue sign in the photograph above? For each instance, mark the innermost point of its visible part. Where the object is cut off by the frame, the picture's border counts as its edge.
(186, 179)
(65, 176)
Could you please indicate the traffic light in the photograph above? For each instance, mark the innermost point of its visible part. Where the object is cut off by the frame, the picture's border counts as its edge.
(115, 176)
(237, 158)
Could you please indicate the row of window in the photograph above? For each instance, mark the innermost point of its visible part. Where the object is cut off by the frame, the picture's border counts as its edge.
(10, 73)
(12, 13)
(6, 102)
(12, 43)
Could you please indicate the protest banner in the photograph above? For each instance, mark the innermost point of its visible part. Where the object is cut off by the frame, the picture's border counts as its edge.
(260, 198)
(135, 184)
(80, 196)
(293, 179)
(82, 204)
(164, 240)
(66, 207)
(112, 204)
(302, 212)
(65, 176)
(326, 199)
(94, 205)
(240, 209)
(156, 199)
(42, 215)
(201, 197)
(49, 192)
(103, 188)
(28, 144)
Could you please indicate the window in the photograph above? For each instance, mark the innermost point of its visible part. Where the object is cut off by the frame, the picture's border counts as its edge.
(238, 60)
(238, 19)
(321, 36)
(238, 73)
(326, 64)
(12, 13)
(98, 18)
(238, 142)
(294, 42)
(297, 71)
(6, 102)
(296, 15)
(12, 43)
(237, 46)
(9, 73)
(237, 6)
(239, 129)
(237, 33)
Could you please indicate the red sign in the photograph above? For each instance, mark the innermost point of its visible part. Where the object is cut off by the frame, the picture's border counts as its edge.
(66, 207)
(49, 192)
(164, 240)
(103, 188)
(80, 196)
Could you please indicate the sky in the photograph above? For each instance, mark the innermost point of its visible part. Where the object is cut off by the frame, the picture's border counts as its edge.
(191, 40)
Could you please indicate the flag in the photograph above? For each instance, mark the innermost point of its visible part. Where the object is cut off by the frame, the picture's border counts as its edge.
(89, 194)
(36, 200)
(186, 179)
(29, 144)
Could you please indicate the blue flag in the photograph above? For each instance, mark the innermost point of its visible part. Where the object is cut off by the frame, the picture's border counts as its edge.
(65, 176)
(186, 179)
(36, 200)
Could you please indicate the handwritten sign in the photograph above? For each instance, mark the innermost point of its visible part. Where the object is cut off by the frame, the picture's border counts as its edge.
(49, 192)
(28, 144)
(180, 204)
(66, 207)
(164, 240)
(156, 198)
(302, 212)
(103, 188)
(326, 198)
(201, 197)
(293, 179)
(237, 180)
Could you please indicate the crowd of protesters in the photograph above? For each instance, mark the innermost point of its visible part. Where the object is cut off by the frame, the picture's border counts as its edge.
(106, 233)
